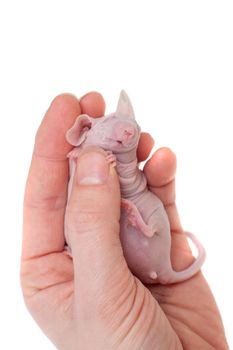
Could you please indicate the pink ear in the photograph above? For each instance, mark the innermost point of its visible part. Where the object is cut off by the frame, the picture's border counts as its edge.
(77, 133)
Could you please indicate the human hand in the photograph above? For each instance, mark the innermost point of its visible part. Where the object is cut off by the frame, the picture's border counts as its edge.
(94, 302)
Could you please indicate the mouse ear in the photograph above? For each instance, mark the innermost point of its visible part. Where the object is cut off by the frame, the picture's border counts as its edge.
(77, 133)
(124, 107)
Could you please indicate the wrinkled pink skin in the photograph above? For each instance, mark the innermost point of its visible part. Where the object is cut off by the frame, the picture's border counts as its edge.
(144, 226)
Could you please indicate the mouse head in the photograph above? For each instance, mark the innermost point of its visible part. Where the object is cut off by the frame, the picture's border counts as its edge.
(117, 132)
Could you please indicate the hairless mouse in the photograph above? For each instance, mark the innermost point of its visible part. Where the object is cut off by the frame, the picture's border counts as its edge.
(144, 225)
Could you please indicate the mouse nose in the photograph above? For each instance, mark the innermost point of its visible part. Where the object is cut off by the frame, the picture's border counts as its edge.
(124, 132)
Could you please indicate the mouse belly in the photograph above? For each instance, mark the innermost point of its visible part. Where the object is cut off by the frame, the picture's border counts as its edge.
(149, 205)
(147, 257)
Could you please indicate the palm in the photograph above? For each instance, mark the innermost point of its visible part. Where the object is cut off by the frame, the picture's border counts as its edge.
(51, 299)
(47, 272)
(190, 306)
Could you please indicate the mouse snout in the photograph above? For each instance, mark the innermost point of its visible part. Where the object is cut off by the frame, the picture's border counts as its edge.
(124, 132)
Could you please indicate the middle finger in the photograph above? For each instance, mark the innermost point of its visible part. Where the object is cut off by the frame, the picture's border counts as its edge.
(160, 172)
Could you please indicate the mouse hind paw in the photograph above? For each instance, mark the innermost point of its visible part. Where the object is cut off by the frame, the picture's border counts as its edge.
(135, 219)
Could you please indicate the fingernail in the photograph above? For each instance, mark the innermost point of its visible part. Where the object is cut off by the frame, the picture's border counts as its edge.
(92, 168)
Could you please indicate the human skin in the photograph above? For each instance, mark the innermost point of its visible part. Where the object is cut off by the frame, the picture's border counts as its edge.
(94, 301)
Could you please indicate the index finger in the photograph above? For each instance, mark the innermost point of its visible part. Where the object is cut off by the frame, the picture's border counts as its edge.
(46, 187)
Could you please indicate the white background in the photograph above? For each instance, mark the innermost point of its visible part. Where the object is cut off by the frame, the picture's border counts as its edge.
(175, 59)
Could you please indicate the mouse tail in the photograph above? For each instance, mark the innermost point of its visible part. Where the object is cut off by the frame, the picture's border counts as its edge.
(179, 276)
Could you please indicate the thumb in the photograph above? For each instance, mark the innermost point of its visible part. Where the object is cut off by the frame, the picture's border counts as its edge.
(92, 224)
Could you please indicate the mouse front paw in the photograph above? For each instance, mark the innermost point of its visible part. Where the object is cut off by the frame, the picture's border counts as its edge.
(74, 153)
(111, 158)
